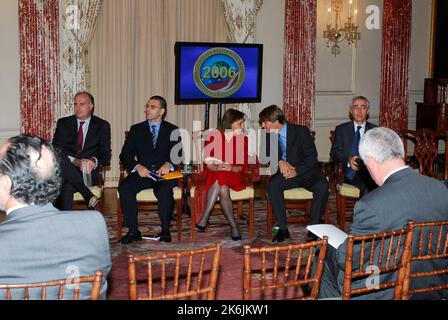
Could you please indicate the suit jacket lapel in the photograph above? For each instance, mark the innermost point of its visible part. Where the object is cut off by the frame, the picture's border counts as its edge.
(91, 132)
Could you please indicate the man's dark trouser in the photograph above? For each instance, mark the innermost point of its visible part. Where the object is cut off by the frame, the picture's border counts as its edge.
(163, 190)
(72, 183)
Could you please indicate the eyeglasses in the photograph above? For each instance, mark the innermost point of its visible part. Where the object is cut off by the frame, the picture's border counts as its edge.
(151, 107)
(362, 108)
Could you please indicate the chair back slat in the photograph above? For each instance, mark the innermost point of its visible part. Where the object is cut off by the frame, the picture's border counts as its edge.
(276, 267)
(427, 250)
(163, 277)
(309, 263)
(400, 250)
(298, 264)
(60, 284)
(190, 268)
(177, 275)
(268, 269)
(287, 264)
(201, 270)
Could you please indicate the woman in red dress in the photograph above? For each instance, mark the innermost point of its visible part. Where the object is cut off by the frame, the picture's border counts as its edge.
(225, 166)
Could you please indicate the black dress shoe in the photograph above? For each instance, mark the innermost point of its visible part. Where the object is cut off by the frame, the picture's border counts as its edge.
(198, 228)
(129, 238)
(164, 237)
(237, 238)
(281, 236)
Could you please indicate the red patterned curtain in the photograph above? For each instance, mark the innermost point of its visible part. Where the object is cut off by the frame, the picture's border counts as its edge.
(39, 66)
(300, 60)
(395, 64)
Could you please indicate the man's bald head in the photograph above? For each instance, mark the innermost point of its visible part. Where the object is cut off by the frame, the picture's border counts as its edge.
(32, 167)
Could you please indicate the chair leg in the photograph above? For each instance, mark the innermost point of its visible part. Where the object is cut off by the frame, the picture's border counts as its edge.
(192, 218)
(179, 218)
(251, 219)
(119, 220)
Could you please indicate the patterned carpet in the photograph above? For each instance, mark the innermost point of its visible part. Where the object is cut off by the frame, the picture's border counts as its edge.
(230, 283)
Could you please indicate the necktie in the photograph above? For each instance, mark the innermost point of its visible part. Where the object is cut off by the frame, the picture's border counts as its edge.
(350, 173)
(282, 145)
(154, 136)
(80, 139)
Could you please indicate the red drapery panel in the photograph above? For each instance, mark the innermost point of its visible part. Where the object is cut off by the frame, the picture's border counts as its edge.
(300, 60)
(39, 66)
(395, 64)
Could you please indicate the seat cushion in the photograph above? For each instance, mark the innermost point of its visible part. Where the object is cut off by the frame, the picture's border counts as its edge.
(245, 194)
(297, 194)
(97, 191)
(348, 190)
(148, 195)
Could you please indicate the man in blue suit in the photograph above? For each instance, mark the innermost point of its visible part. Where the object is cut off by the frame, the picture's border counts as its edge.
(148, 148)
(344, 149)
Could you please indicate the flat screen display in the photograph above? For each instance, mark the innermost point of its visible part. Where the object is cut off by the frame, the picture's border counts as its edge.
(218, 72)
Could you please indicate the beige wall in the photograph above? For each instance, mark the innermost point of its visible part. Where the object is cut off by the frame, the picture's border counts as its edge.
(9, 66)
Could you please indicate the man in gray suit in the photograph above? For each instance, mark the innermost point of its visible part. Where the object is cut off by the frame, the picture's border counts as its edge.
(403, 195)
(39, 243)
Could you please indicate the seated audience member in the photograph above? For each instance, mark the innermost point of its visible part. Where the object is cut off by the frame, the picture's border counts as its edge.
(147, 149)
(81, 138)
(402, 195)
(38, 242)
(345, 146)
(298, 167)
(229, 146)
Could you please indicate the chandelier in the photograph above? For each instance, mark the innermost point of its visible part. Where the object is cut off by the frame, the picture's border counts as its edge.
(335, 34)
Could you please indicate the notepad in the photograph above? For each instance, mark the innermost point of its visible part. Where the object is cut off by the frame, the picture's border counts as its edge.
(335, 235)
(171, 175)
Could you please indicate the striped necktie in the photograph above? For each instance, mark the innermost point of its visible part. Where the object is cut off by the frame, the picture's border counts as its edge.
(154, 136)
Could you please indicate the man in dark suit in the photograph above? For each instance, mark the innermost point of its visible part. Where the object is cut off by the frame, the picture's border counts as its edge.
(148, 148)
(297, 167)
(402, 195)
(84, 141)
(344, 148)
(39, 243)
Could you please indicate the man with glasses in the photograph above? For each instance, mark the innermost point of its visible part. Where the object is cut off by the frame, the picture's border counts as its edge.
(345, 146)
(84, 141)
(148, 150)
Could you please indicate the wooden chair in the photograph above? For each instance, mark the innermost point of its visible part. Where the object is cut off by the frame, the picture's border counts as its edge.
(346, 194)
(98, 191)
(425, 150)
(431, 243)
(388, 251)
(281, 270)
(296, 198)
(147, 201)
(175, 275)
(94, 294)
